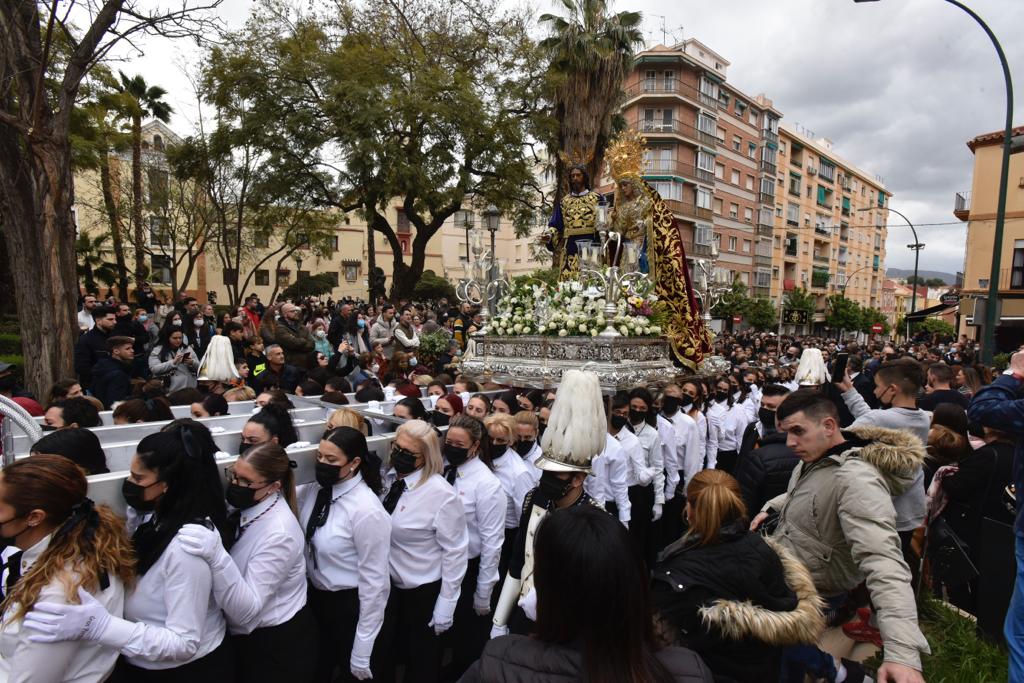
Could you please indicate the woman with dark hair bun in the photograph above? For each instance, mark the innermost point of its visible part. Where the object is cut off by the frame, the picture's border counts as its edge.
(172, 628)
(261, 585)
(593, 615)
(411, 409)
(347, 541)
(80, 446)
(67, 550)
(211, 406)
(272, 424)
(136, 410)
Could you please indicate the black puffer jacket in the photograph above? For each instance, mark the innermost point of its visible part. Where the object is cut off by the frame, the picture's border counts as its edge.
(736, 602)
(520, 659)
(764, 472)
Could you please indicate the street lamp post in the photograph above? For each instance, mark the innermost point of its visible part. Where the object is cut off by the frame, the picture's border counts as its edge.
(917, 246)
(298, 277)
(989, 331)
(492, 221)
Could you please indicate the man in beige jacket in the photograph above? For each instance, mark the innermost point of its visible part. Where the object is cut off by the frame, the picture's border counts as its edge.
(837, 516)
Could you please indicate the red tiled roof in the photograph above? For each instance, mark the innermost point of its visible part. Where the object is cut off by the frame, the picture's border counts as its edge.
(993, 138)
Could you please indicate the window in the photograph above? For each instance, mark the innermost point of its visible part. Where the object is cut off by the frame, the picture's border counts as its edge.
(751, 150)
(778, 241)
(161, 269)
(159, 188)
(230, 276)
(764, 246)
(810, 191)
(778, 210)
(669, 190)
(706, 124)
(702, 235)
(261, 240)
(732, 244)
(750, 183)
(402, 222)
(704, 198)
(775, 273)
(706, 163)
(718, 207)
(763, 278)
(158, 143)
(735, 177)
(720, 171)
(827, 170)
(752, 118)
(768, 188)
(782, 149)
(334, 243)
(734, 210)
(657, 120)
(159, 235)
(262, 278)
(351, 272)
(720, 134)
(806, 246)
(794, 184)
(741, 107)
(737, 142)
(284, 277)
(1017, 266)
(746, 246)
(748, 215)
(463, 218)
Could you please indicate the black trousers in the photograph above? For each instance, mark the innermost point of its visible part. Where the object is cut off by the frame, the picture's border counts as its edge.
(470, 631)
(216, 667)
(727, 461)
(672, 515)
(406, 636)
(641, 503)
(506, 553)
(287, 651)
(910, 557)
(336, 614)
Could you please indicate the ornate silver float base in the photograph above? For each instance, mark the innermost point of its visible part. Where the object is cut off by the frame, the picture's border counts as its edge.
(539, 362)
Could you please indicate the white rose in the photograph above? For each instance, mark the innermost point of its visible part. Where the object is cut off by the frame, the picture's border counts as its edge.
(655, 329)
(526, 330)
(518, 328)
(593, 332)
(583, 328)
(624, 330)
(552, 326)
(563, 333)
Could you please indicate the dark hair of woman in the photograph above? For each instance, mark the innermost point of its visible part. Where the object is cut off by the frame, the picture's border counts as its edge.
(279, 397)
(90, 540)
(336, 397)
(183, 457)
(150, 389)
(272, 463)
(215, 404)
(592, 590)
(535, 397)
(416, 409)
(80, 411)
(185, 396)
(276, 419)
(163, 339)
(728, 399)
(509, 399)
(338, 383)
(652, 415)
(139, 410)
(477, 432)
(481, 397)
(80, 446)
(59, 391)
(311, 388)
(699, 388)
(353, 444)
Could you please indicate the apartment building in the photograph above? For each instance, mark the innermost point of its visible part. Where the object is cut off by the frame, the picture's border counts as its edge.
(711, 155)
(977, 207)
(830, 223)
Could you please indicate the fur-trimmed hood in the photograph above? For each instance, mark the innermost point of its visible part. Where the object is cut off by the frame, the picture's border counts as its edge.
(896, 454)
(736, 620)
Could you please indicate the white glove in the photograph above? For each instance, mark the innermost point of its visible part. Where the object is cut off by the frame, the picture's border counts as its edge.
(360, 667)
(482, 605)
(440, 626)
(362, 674)
(656, 512)
(54, 622)
(197, 540)
(670, 494)
(498, 631)
(529, 604)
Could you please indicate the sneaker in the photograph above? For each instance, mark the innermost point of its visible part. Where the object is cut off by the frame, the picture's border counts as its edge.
(863, 632)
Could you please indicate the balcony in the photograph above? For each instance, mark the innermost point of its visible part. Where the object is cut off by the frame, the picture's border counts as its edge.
(819, 279)
(771, 137)
(760, 260)
(689, 209)
(821, 258)
(761, 292)
(674, 127)
(765, 198)
(670, 88)
(701, 250)
(962, 205)
(768, 167)
(789, 285)
(789, 252)
(823, 230)
(765, 230)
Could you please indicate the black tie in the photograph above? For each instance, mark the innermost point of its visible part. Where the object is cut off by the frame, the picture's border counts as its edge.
(321, 508)
(235, 523)
(450, 472)
(396, 491)
(13, 567)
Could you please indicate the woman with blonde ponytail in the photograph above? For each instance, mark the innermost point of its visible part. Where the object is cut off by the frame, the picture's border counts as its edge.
(59, 546)
(729, 594)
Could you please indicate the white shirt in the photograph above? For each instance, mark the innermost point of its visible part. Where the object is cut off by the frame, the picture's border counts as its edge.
(690, 451)
(405, 341)
(703, 438)
(171, 618)
(269, 555)
(429, 539)
(654, 462)
(516, 480)
(734, 423)
(637, 472)
(715, 416)
(749, 406)
(531, 458)
(484, 503)
(22, 661)
(607, 480)
(352, 550)
(85, 321)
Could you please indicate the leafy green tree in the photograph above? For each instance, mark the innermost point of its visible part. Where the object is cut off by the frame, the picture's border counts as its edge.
(843, 314)
(314, 285)
(762, 315)
(733, 302)
(90, 262)
(432, 287)
(872, 316)
(934, 326)
(591, 51)
(800, 299)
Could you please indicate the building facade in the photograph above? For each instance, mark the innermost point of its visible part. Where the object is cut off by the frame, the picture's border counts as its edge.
(830, 224)
(977, 207)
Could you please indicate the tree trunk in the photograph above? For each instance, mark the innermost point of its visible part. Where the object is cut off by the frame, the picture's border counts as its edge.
(116, 226)
(371, 264)
(35, 206)
(138, 232)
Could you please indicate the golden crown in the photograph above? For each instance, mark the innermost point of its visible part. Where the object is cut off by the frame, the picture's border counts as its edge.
(625, 155)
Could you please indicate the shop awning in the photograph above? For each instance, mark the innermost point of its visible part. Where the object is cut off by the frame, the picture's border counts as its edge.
(928, 312)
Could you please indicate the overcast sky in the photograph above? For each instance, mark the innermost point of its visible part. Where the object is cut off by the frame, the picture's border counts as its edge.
(899, 86)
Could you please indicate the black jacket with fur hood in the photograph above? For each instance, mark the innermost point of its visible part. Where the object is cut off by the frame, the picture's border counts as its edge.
(736, 602)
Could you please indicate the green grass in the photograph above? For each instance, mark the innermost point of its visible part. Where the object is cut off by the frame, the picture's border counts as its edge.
(959, 653)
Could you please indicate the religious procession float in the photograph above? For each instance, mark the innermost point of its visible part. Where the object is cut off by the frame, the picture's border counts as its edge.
(624, 306)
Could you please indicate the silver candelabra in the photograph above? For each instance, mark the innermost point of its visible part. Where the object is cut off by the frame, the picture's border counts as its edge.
(710, 288)
(485, 281)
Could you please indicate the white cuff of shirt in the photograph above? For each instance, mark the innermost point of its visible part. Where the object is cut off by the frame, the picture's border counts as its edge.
(118, 633)
(361, 651)
(444, 610)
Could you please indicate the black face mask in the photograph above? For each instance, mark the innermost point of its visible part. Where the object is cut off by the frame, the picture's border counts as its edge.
(240, 497)
(541, 426)
(553, 487)
(619, 422)
(455, 454)
(637, 416)
(133, 495)
(403, 461)
(243, 447)
(767, 418)
(685, 401)
(439, 419)
(721, 396)
(496, 450)
(326, 475)
(524, 447)
(669, 405)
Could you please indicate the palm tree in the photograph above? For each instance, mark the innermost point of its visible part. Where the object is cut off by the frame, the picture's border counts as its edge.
(90, 263)
(138, 101)
(591, 53)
